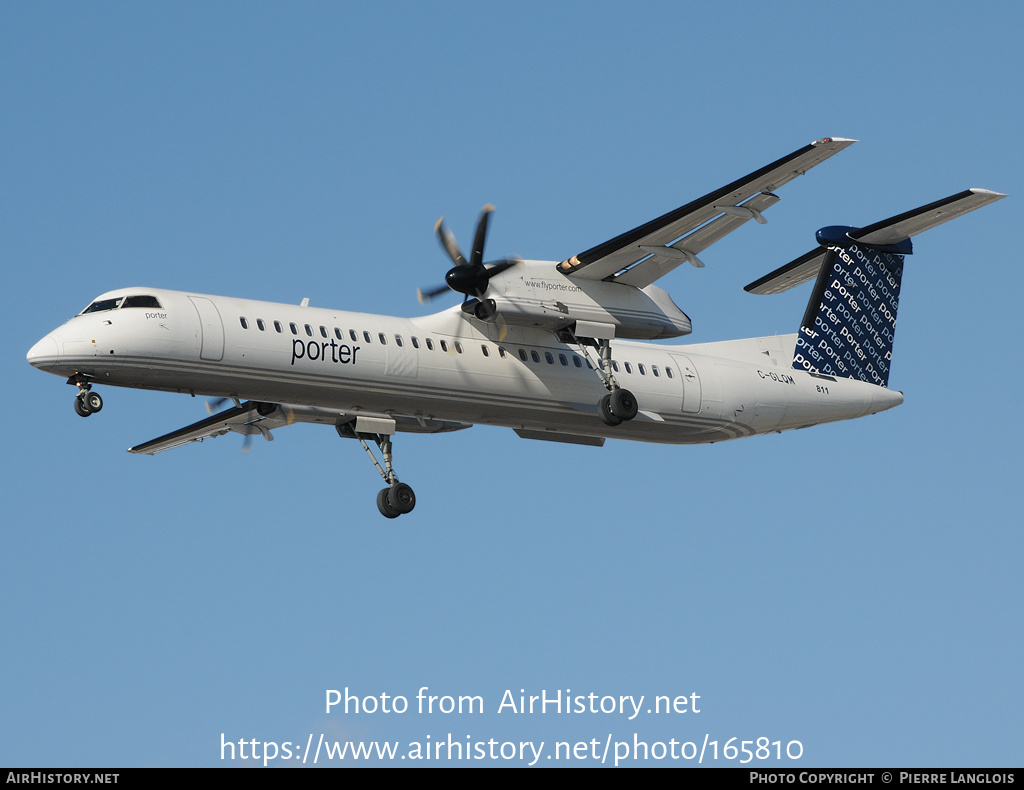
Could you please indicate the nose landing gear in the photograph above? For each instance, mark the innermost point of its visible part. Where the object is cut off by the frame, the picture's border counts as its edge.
(86, 402)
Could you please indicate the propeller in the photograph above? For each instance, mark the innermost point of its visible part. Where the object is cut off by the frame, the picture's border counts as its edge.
(471, 277)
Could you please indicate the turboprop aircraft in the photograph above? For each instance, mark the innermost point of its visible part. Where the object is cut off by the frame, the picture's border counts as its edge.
(546, 348)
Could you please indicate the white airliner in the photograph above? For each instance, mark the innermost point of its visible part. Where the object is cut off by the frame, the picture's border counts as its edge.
(545, 348)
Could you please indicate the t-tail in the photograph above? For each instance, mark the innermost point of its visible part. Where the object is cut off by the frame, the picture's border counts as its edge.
(848, 328)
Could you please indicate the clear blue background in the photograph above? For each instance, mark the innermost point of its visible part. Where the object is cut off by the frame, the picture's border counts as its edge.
(856, 586)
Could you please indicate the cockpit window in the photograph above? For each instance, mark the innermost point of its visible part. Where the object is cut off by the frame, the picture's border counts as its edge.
(122, 301)
(141, 301)
(104, 304)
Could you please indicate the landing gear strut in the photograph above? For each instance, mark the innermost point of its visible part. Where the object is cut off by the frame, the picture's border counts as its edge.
(398, 498)
(619, 405)
(86, 402)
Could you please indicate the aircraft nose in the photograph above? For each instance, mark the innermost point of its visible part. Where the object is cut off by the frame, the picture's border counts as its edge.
(44, 354)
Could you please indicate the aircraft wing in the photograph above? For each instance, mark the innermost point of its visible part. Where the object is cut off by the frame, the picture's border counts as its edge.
(246, 419)
(642, 255)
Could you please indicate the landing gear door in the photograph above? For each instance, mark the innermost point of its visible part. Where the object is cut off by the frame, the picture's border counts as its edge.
(691, 383)
(211, 327)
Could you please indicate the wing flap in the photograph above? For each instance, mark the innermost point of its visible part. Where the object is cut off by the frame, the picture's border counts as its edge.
(660, 263)
(624, 250)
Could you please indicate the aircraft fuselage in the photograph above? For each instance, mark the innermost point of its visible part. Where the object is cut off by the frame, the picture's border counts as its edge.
(445, 367)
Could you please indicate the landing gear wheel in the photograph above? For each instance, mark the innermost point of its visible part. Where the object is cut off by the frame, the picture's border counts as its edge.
(265, 409)
(623, 404)
(604, 410)
(93, 401)
(82, 407)
(384, 504)
(402, 498)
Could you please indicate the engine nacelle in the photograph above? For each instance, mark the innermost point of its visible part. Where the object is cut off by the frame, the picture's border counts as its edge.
(535, 294)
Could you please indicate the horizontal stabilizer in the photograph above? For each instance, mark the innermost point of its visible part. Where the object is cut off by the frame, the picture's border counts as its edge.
(901, 227)
(794, 273)
(885, 234)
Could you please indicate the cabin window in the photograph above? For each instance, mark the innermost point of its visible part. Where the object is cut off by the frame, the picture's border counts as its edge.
(260, 324)
(549, 358)
(339, 334)
(668, 372)
(295, 329)
(615, 366)
(430, 344)
(140, 301)
(366, 336)
(576, 361)
(642, 369)
(444, 345)
(458, 346)
(352, 334)
(522, 354)
(245, 324)
(535, 356)
(309, 331)
(398, 341)
(383, 338)
(501, 352)
(323, 331)
(277, 326)
(415, 341)
(486, 352)
(629, 368)
(655, 371)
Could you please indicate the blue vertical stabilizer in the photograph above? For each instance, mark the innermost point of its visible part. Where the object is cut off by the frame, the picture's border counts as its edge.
(850, 321)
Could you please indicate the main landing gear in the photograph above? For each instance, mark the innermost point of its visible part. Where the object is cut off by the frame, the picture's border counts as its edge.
(86, 402)
(398, 498)
(619, 405)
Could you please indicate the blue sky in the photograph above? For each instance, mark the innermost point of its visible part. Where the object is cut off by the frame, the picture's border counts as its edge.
(855, 587)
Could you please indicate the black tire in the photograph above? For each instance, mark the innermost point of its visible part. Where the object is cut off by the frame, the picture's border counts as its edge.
(265, 409)
(81, 408)
(384, 504)
(93, 401)
(623, 404)
(402, 498)
(604, 411)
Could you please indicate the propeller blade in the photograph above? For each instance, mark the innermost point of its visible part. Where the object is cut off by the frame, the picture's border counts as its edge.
(426, 296)
(497, 267)
(447, 239)
(476, 256)
(214, 403)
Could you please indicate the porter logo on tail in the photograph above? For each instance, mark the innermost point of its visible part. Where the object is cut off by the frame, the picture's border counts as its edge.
(851, 318)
